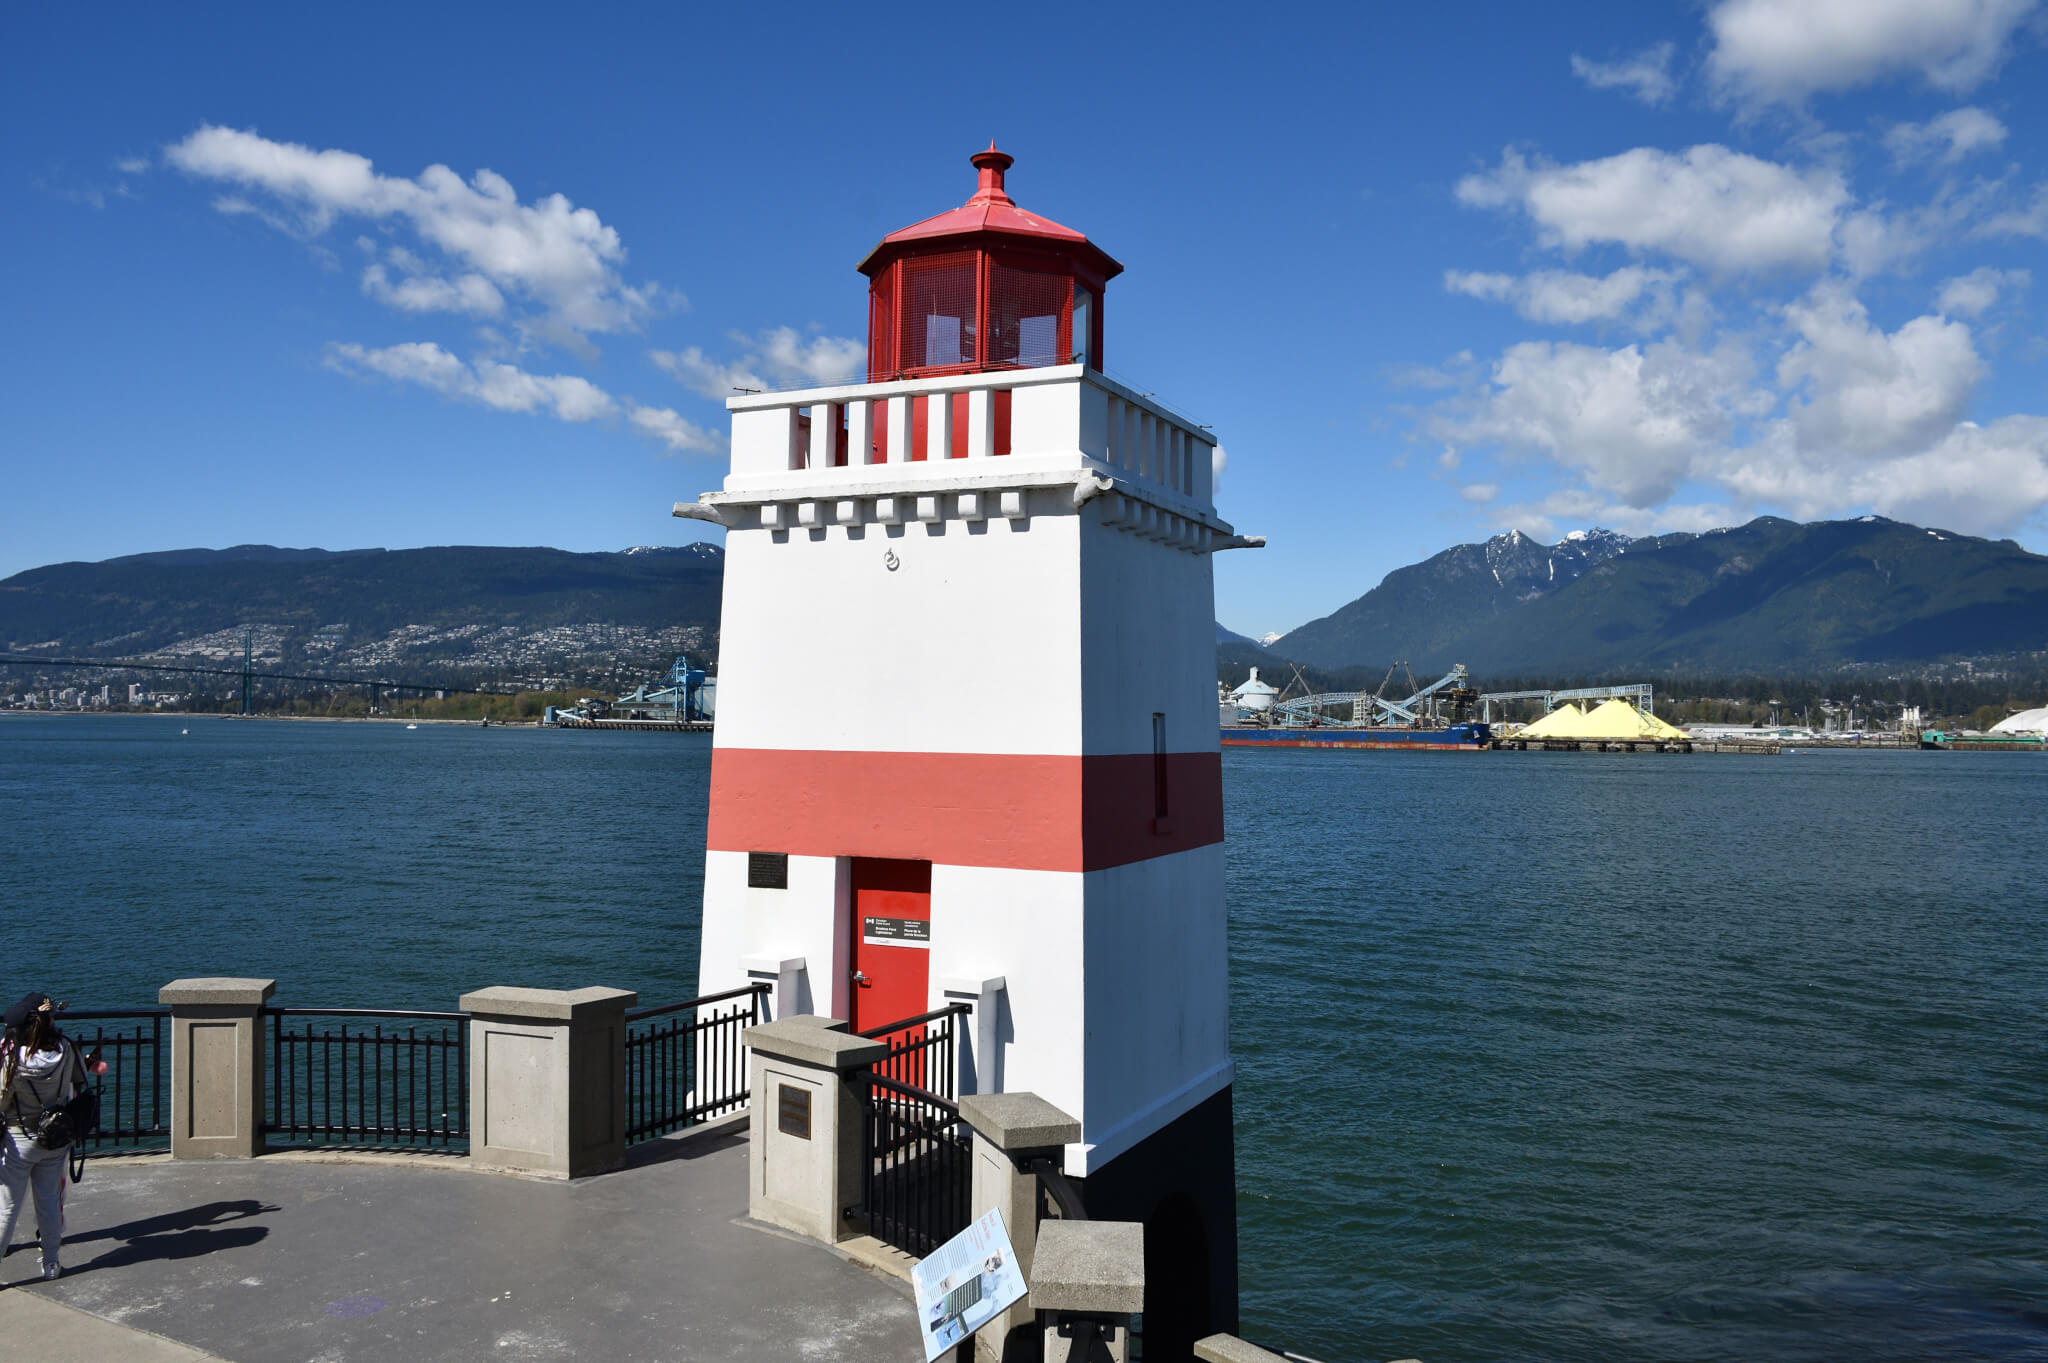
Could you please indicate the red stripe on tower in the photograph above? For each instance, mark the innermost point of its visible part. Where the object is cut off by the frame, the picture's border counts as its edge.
(1036, 813)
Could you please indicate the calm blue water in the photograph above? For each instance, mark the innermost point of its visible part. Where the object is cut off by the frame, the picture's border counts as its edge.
(1541, 1056)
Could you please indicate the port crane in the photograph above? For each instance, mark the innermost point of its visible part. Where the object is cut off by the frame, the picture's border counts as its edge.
(1372, 709)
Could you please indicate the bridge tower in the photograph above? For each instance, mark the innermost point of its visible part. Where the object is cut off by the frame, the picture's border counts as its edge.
(966, 742)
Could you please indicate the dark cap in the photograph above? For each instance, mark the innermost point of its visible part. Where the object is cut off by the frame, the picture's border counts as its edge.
(17, 1016)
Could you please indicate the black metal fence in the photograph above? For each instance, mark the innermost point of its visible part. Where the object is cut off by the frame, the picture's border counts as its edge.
(368, 1077)
(684, 1061)
(135, 1108)
(916, 1166)
(923, 1051)
(400, 1079)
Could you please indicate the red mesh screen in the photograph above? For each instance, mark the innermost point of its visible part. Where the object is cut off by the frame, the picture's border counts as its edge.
(882, 326)
(937, 325)
(957, 437)
(917, 426)
(999, 443)
(880, 425)
(1030, 316)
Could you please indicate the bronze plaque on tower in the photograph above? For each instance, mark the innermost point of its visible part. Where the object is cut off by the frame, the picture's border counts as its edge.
(793, 1111)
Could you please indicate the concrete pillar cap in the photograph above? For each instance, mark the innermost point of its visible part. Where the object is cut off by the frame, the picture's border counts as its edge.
(219, 990)
(1089, 1266)
(549, 1005)
(1231, 1349)
(1018, 1121)
(806, 1041)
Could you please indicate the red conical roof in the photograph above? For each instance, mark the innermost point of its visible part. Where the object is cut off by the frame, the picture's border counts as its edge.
(992, 210)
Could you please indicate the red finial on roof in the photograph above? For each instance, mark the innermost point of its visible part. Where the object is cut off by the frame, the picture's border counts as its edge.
(991, 164)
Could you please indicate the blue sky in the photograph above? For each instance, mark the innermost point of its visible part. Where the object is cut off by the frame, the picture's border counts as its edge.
(479, 275)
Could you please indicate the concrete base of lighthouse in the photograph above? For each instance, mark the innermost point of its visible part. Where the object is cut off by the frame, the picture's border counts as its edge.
(1181, 1183)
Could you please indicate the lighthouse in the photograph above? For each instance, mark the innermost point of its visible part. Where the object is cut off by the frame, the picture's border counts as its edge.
(966, 743)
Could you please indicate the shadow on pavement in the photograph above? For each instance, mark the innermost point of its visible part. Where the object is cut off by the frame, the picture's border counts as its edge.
(184, 1234)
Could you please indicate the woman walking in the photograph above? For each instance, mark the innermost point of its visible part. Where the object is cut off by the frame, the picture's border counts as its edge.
(39, 1074)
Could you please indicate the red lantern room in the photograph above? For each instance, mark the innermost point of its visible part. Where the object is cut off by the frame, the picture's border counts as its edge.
(985, 286)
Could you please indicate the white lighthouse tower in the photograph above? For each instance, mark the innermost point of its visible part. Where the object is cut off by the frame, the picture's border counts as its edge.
(966, 740)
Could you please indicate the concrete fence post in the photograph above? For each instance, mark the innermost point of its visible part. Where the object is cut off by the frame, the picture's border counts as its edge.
(1088, 1282)
(803, 1161)
(789, 991)
(1009, 1130)
(217, 1066)
(975, 1049)
(547, 1079)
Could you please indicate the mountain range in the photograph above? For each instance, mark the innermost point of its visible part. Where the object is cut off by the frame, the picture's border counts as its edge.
(441, 613)
(1772, 596)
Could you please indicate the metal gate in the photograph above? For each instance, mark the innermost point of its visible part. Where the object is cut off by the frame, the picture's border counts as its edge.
(916, 1166)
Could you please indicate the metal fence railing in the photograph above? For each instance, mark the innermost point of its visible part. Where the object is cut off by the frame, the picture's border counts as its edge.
(923, 1051)
(134, 1043)
(684, 1061)
(916, 1166)
(399, 1079)
(368, 1077)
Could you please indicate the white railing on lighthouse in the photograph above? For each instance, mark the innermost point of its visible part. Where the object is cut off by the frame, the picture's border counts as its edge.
(1060, 418)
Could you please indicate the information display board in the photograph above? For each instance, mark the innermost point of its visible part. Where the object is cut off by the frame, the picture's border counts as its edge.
(964, 1283)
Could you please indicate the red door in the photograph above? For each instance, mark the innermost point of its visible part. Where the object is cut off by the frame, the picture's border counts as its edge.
(892, 923)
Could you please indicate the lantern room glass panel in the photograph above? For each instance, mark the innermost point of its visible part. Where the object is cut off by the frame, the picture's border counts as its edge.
(1029, 316)
(936, 330)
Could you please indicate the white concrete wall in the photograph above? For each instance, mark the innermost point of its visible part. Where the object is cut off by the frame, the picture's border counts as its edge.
(1156, 940)
(806, 920)
(1148, 643)
(966, 646)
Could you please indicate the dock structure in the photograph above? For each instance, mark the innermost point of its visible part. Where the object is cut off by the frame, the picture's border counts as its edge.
(1636, 693)
(562, 720)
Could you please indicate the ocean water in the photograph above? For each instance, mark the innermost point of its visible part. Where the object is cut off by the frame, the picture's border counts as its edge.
(1541, 1056)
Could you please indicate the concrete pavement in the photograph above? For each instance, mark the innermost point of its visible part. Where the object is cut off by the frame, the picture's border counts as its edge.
(295, 1258)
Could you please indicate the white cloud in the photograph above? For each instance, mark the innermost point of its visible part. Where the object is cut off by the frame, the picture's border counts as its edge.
(470, 293)
(1784, 50)
(1634, 422)
(1479, 493)
(1858, 418)
(1561, 296)
(781, 357)
(1976, 293)
(1945, 138)
(673, 431)
(508, 388)
(1860, 391)
(491, 383)
(132, 165)
(1721, 209)
(1542, 518)
(557, 259)
(1646, 74)
(2030, 221)
(1218, 461)
(1982, 480)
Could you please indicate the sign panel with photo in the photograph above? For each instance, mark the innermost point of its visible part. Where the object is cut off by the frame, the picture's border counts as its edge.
(964, 1283)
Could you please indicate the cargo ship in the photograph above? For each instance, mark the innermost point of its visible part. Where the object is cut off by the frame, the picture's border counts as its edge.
(1472, 737)
(1988, 742)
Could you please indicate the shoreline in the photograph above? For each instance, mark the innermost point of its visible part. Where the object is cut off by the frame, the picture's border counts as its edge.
(291, 719)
